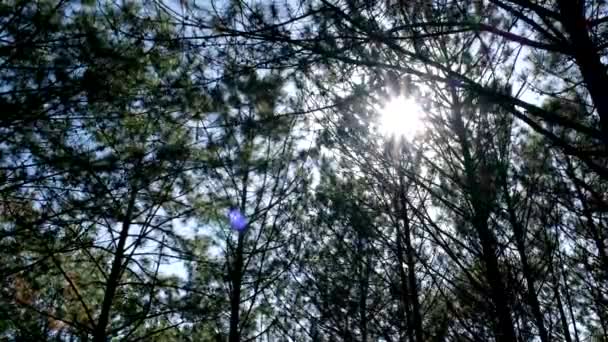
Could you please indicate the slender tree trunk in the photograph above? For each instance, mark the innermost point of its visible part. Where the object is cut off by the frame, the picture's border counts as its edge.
(594, 231)
(364, 272)
(404, 290)
(504, 329)
(560, 307)
(598, 300)
(569, 301)
(411, 265)
(585, 53)
(598, 238)
(363, 311)
(405, 310)
(99, 334)
(237, 269)
(600, 309)
(235, 300)
(519, 234)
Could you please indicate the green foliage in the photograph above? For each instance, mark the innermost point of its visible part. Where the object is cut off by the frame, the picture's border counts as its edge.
(130, 129)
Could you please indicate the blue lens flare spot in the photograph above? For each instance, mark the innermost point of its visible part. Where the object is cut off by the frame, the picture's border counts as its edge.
(237, 220)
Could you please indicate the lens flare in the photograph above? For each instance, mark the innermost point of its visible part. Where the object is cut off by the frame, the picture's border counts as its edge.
(237, 220)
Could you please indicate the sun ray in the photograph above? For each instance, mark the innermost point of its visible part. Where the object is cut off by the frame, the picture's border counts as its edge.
(401, 116)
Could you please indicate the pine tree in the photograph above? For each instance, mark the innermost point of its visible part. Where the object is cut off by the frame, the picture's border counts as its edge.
(251, 200)
(98, 160)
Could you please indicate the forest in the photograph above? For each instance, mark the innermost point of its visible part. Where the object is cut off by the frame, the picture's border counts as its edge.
(304, 170)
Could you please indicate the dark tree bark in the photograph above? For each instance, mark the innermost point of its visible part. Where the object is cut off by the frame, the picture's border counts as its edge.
(99, 334)
(237, 272)
(572, 15)
(235, 298)
(504, 328)
(519, 234)
(560, 307)
(411, 263)
(405, 311)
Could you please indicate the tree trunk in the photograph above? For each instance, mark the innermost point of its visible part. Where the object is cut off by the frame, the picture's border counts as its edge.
(504, 329)
(411, 265)
(569, 300)
(364, 272)
(560, 307)
(518, 232)
(573, 18)
(99, 334)
(405, 307)
(235, 298)
(237, 269)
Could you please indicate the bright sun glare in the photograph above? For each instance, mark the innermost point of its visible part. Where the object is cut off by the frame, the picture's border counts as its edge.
(401, 116)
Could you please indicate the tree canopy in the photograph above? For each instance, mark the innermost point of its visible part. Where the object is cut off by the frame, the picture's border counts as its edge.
(224, 170)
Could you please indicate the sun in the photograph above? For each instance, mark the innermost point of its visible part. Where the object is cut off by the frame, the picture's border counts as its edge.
(401, 116)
